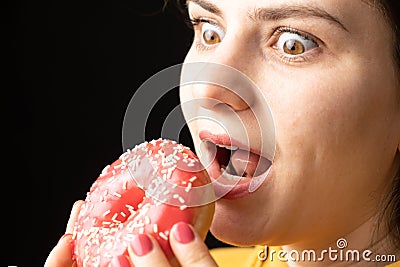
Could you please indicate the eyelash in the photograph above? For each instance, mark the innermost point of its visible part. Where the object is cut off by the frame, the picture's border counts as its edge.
(193, 22)
(196, 21)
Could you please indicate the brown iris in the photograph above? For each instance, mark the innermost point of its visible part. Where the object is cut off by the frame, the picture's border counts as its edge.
(293, 47)
(211, 37)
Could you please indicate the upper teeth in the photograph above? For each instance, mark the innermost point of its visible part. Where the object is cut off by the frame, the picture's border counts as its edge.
(228, 147)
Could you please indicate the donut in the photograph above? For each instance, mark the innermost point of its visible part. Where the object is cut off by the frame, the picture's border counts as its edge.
(146, 190)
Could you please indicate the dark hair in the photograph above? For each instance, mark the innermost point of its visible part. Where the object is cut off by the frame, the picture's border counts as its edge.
(390, 10)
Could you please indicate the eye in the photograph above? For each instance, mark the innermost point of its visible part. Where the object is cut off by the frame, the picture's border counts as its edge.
(211, 34)
(294, 43)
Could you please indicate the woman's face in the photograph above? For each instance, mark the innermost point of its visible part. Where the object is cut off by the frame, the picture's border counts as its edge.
(326, 70)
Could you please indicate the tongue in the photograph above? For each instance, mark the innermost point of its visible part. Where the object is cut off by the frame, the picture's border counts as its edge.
(245, 163)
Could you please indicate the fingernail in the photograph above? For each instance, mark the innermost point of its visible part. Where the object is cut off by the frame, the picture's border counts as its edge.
(120, 261)
(64, 236)
(183, 233)
(141, 245)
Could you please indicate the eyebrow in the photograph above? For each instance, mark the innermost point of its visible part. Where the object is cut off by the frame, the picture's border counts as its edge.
(207, 6)
(278, 13)
(281, 13)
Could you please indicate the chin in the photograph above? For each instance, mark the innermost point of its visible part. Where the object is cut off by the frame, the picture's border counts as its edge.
(237, 226)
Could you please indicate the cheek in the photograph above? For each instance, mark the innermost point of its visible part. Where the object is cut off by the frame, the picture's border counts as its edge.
(332, 130)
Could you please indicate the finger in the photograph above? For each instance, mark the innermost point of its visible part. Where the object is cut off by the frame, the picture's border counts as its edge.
(145, 251)
(61, 254)
(188, 247)
(73, 216)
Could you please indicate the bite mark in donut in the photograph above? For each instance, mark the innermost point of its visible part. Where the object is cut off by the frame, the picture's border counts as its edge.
(147, 190)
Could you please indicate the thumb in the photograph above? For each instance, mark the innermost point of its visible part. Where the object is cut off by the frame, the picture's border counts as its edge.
(61, 255)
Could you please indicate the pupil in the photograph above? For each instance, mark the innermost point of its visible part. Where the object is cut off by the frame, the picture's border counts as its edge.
(210, 37)
(293, 47)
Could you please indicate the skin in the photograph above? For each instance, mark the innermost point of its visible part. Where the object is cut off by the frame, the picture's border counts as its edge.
(336, 110)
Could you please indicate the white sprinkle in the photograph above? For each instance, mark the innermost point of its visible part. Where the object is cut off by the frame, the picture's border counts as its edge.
(104, 171)
(106, 213)
(147, 220)
(155, 228)
(125, 185)
(193, 179)
(129, 207)
(124, 156)
(119, 165)
(123, 214)
(181, 200)
(183, 207)
(163, 236)
(188, 187)
(141, 230)
(175, 196)
(117, 194)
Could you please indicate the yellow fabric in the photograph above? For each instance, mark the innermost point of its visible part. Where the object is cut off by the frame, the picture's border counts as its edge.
(242, 257)
(248, 257)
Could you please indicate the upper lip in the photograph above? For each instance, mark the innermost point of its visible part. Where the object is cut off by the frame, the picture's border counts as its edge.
(226, 140)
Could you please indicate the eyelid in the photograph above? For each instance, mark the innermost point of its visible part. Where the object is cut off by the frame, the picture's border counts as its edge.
(278, 31)
(198, 20)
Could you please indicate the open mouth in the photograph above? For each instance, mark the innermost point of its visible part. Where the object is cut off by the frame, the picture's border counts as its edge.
(240, 164)
(232, 165)
(230, 161)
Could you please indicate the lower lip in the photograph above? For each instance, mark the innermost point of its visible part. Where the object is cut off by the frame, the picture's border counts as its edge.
(234, 190)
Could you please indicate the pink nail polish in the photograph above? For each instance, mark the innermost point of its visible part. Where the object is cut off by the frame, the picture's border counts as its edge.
(120, 261)
(141, 245)
(183, 233)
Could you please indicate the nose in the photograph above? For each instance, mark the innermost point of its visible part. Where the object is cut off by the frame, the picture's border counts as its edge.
(211, 96)
(215, 84)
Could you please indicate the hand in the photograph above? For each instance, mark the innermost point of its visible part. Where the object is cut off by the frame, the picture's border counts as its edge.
(187, 246)
(61, 255)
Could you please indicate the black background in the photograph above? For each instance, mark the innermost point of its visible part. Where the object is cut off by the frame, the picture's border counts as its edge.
(69, 72)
